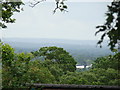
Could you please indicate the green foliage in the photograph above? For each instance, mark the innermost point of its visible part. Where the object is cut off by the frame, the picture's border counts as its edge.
(106, 76)
(21, 74)
(0, 52)
(111, 28)
(108, 62)
(25, 57)
(54, 68)
(97, 76)
(58, 56)
(105, 71)
(7, 9)
(21, 68)
(72, 78)
(7, 54)
(107, 68)
(82, 78)
(36, 73)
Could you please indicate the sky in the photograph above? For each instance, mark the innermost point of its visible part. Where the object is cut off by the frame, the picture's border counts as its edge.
(39, 22)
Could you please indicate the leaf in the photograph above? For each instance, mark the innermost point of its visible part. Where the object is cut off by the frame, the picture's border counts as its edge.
(65, 6)
(61, 9)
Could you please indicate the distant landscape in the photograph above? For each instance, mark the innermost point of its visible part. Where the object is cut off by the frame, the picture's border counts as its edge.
(54, 43)
(82, 50)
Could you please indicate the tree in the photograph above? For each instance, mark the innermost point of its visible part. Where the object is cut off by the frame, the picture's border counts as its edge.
(7, 9)
(37, 73)
(54, 68)
(111, 61)
(111, 28)
(105, 71)
(7, 55)
(108, 76)
(58, 56)
(7, 60)
(73, 78)
(19, 69)
(25, 57)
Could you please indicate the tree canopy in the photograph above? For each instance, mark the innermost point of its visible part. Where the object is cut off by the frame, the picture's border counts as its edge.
(21, 68)
(105, 71)
(59, 56)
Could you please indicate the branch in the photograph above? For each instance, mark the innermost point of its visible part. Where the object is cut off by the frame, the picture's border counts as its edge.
(60, 6)
(36, 2)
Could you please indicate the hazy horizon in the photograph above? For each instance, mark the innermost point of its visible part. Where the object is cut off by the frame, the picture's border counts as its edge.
(80, 49)
(33, 40)
(40, 22)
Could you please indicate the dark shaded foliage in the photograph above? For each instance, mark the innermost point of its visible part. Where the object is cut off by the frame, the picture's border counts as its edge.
(7, 9)
(111, 28)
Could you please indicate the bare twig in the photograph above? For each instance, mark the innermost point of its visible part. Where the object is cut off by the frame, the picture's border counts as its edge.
(36, 2)
(59, 5)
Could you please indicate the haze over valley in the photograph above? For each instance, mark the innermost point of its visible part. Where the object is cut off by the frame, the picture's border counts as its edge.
(81, 50)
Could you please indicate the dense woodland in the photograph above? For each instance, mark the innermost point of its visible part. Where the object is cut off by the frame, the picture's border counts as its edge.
(58, 67)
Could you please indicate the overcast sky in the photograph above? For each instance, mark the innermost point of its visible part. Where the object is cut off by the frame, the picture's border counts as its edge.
(40, 22)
